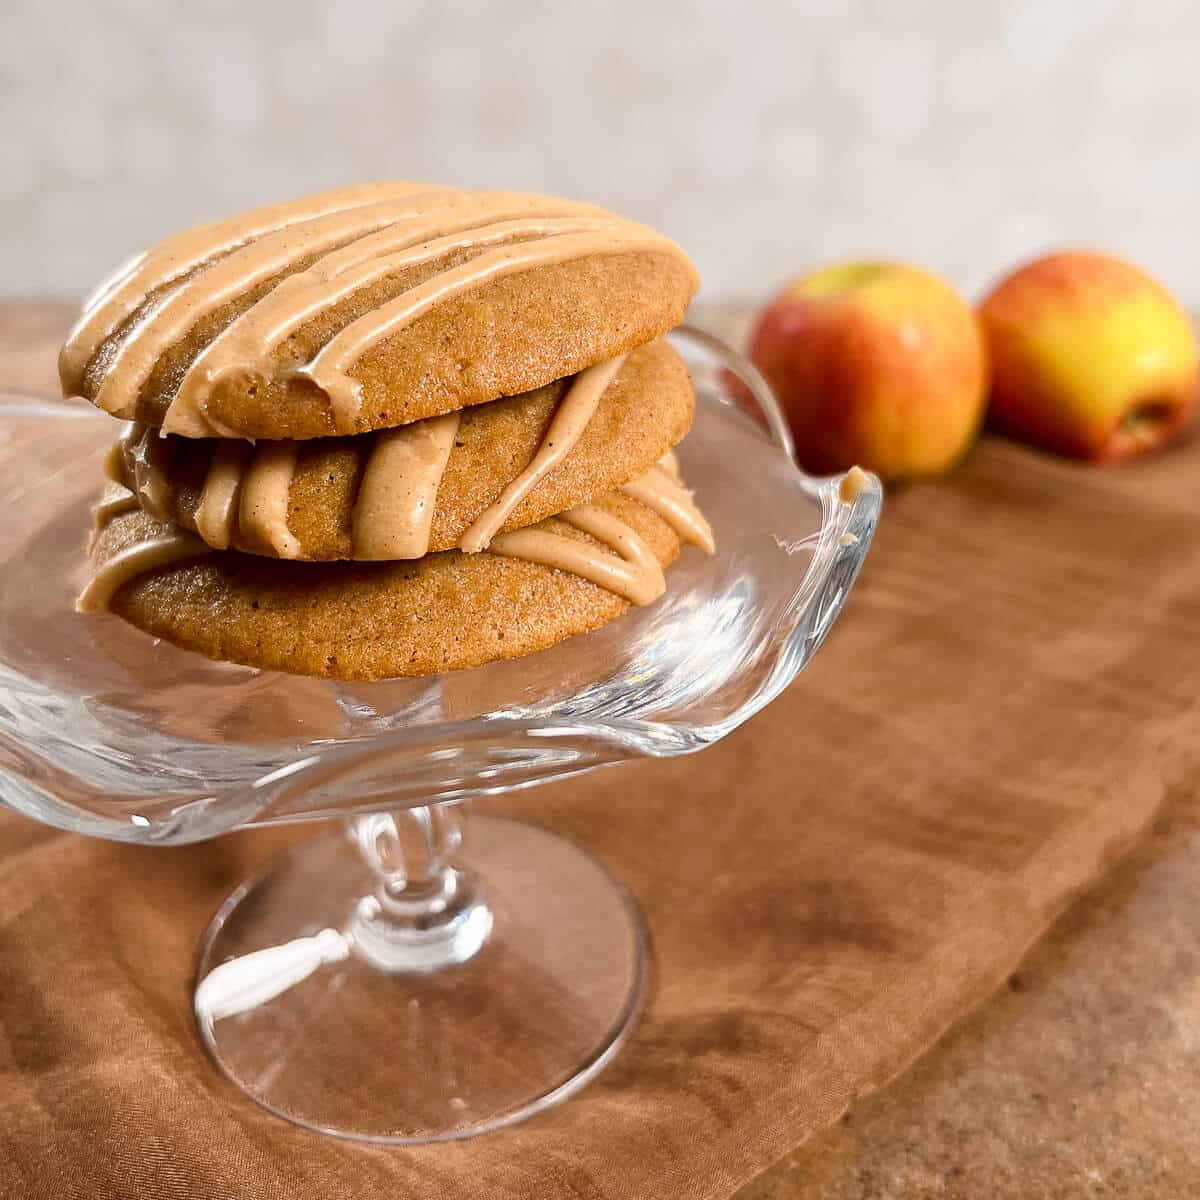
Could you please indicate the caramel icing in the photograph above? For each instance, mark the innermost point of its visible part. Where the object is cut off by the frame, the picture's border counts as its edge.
(298, 260)
(245, 346)
(134, 560)
(613, 556)
(330, 368)
(225, 280)
(393, 514)
(123, 293)
(217, 512)
(622, 563)
(114, 500)
(570, 419)
(247, 487)
(137, 559)
(263, 498)
(658, 490)
(149, 458)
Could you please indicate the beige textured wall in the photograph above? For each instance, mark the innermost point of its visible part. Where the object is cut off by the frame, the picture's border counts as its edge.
(962, 134)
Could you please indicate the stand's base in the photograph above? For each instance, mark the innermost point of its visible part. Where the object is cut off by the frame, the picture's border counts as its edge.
(362, 1053)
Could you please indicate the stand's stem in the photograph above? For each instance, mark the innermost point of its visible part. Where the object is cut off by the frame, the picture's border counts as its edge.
(425, 913)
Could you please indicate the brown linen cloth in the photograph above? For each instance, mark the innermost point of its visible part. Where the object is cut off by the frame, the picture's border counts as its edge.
(1009, 693)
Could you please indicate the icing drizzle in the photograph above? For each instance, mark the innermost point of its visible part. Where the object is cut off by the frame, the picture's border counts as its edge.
(331, 368)
(661, 491)
(245, 347)
(124, 291)
(618, 559)
(246, 488)
(149, 457)
(570, 419)
(299, 260)
(263, 501)
(216, 514)
(139, 558)
(393, 514)
(114, 500)
(625, 565)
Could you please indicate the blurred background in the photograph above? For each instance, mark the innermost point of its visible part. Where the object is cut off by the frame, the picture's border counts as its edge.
(767, 138)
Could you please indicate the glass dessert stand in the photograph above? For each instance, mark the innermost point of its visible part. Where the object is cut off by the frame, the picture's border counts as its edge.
(390, 981)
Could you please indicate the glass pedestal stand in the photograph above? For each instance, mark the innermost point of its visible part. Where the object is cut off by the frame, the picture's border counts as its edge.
(391, 980)
(419, 987)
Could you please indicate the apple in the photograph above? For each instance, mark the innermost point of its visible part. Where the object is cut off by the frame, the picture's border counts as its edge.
(877, 364)
(1090, 357)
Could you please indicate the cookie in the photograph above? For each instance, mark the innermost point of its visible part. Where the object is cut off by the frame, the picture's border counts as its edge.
(389, 430)
(367, 308)
(620, 431)
(447, 611)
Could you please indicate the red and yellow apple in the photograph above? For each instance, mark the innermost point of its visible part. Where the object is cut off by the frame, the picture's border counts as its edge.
(1090, 357)
(878, 364)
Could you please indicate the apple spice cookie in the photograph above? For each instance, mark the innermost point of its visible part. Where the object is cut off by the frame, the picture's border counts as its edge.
(533, 588)
(428, 486)
(368, 308)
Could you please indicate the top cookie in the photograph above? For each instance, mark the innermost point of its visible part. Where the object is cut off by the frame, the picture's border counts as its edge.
(370, 307)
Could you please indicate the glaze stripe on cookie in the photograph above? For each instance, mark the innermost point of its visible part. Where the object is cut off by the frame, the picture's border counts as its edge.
(139, 558)
(263, 501)
(570, 419)
(661, 491)
(622, 563)
(115, 457)
(393, 513)
(216, 514)
(123, 293)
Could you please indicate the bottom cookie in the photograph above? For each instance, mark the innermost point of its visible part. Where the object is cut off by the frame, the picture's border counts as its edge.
(536, 587)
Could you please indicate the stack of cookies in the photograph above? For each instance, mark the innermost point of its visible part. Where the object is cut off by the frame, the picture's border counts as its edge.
(389, 430)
